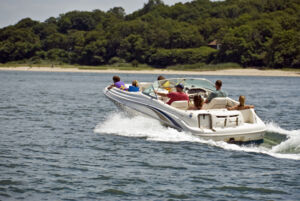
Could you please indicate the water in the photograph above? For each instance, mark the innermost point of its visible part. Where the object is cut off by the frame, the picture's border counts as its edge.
(61, 139)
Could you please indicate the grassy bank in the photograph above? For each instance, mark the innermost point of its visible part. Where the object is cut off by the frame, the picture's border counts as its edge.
(117, 66)
(129, 67)
(205, 67)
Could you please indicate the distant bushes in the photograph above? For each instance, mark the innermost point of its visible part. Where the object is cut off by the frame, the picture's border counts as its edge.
(168, 57)
(256, 33)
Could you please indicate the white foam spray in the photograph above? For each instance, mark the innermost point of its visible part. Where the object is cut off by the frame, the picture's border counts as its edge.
(273, 127)
(292, 144)
(139, 126)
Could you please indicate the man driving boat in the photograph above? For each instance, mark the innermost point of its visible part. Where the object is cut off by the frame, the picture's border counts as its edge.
(217, 93)
(179, 95)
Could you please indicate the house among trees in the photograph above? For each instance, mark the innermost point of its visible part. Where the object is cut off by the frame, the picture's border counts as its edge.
(214, 44)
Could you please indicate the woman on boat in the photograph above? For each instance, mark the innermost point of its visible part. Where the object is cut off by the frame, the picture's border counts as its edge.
(161, 77)
(242, 105)
(198, 103)
(165, 84)
(134, 87)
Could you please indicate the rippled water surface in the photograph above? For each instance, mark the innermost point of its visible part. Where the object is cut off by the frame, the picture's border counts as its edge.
(61, 139)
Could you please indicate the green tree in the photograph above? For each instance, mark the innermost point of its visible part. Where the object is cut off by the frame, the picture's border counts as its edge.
(56, 40)
(56, 55)
(26, 23)
(251, 33)
(167, 57)
(132, 48)
(118, 12)
(44, 30)
(94, 53)
(284, 49)
(17, 44)
(76, 20)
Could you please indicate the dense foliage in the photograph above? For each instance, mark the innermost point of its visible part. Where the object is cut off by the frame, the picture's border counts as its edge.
(251, 33)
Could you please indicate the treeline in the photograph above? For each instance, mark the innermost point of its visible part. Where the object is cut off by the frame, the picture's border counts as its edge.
(248, 32)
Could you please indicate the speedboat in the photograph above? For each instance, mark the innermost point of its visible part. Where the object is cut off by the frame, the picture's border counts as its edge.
(213, 122)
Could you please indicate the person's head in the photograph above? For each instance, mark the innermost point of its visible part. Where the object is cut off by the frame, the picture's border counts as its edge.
(218, 84)
(116, 78)
(161, 77)
(179, 87)
(135, 83)
(198, 101)
(242, 100)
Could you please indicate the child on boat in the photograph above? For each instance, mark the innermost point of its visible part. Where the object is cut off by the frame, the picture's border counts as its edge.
(134, 87)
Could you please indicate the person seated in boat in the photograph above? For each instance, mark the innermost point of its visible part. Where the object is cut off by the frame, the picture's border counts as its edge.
(117, 83)
(161, 77)
(217, 93)
(198, 103)
(179, 95)
(165, 84)
(134, 87)
(242, 105)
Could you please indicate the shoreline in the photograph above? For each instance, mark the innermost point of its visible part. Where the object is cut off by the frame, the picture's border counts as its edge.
(225, 72)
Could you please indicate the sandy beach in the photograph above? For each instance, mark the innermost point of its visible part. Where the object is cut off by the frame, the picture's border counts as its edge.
(228, 72)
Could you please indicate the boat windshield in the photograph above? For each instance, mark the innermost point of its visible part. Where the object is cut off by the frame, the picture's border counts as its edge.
(150, 91)
(169, 85)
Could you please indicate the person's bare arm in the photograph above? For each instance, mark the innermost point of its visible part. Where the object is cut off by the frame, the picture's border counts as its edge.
(232, 108)
(161, 94)
(249, 106)
(191, 107)
(111, 86)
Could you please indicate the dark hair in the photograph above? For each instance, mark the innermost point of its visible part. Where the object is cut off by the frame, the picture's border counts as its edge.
(161, 77)
(116, 78)
(198, 101)
(219, 83)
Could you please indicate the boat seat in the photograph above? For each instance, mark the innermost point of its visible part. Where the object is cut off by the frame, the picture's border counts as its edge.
(231, 102)
(216, 103)
(183, 105)
(248, 115)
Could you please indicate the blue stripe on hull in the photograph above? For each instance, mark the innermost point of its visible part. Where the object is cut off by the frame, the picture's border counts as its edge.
(154, 109)
(167, 116)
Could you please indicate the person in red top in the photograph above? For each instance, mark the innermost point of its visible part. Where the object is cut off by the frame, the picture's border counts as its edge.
(179, 95)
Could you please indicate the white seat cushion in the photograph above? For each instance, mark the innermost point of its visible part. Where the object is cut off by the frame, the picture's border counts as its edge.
(216, 103)
(248, 115)
(183, 105)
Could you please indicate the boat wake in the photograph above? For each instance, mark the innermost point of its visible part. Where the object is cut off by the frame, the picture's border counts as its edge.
(291, 144)
(139, 126)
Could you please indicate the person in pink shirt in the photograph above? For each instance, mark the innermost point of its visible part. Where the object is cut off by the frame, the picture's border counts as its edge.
(179, 95)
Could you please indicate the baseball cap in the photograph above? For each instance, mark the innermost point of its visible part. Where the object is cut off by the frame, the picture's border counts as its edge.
(180, 86)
